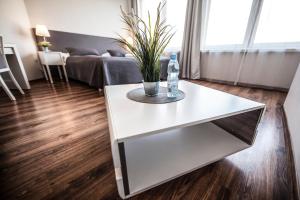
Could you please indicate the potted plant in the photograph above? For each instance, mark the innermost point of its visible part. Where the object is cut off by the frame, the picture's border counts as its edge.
(45, 45)
(148, 43)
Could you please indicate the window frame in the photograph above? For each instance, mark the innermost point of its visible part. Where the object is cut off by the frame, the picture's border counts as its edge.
(251, 30)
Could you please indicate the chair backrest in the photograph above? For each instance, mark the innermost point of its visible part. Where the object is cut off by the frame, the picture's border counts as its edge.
(1, 45)
(3, 61)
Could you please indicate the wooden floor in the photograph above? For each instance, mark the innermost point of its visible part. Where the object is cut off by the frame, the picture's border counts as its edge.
(54, 144)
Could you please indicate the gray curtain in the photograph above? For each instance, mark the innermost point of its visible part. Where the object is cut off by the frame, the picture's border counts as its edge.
(190, 50)
(133, 4)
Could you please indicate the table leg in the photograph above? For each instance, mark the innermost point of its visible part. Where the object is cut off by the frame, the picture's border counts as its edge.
(124, 168)
(45, 73)
(65, 73)
(49, 73)
(59, 72)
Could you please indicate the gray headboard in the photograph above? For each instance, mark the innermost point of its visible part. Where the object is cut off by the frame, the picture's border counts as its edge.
(60, 40)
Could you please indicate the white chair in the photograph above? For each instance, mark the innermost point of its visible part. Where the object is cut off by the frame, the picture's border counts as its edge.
(4, 68)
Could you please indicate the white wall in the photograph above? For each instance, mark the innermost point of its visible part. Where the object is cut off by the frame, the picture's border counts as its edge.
(15, 28)
(92, 17)
(274, 69)
(292, 110)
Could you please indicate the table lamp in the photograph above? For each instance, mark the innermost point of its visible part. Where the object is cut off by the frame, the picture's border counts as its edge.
(41, 30)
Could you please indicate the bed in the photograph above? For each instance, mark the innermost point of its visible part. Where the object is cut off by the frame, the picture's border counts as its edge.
(98, 71)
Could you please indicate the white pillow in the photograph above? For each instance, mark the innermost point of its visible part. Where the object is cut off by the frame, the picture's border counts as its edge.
(128, 55)
(105, 55)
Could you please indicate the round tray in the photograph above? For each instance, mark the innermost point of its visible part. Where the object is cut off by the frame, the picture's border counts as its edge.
(138, 95)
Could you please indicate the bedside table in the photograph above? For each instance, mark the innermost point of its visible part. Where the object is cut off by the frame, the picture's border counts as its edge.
(50, 59)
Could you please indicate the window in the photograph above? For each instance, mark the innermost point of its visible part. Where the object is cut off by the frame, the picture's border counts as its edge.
(257, 24)
(226, 24)
(148, 6)
(236, 24)
(279, 22)
(175, 16)
(174, 13)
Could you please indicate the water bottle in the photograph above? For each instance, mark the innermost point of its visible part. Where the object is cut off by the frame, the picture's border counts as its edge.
(173, 72)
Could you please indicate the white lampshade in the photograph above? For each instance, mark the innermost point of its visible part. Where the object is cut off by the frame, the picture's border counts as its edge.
(41, 30)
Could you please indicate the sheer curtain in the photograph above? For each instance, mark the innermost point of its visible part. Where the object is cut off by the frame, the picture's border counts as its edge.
(185, 16)
(255, 41)
(173, 13)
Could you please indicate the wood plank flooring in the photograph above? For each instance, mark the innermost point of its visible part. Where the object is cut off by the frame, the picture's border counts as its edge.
(54, 144)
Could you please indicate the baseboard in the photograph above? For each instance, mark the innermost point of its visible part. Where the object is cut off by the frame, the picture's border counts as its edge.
(288, 143)
(217, 81)
(265, 87)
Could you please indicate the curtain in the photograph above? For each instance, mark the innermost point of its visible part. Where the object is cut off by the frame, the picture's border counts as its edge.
(133, 5)
(190, 50)
(257, 6)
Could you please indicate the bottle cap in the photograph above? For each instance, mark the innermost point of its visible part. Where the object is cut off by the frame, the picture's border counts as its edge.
(173, 56)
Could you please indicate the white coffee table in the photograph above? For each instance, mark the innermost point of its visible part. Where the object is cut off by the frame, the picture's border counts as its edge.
(154, 143)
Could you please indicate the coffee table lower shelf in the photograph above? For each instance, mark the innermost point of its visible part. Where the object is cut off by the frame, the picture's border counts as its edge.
(154, 159)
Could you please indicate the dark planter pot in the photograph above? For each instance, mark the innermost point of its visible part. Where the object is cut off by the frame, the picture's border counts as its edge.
(151, 88)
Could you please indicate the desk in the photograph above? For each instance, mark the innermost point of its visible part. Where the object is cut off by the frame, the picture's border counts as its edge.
(16, 66)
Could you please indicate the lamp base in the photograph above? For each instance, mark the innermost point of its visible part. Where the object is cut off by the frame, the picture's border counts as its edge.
(45, 49)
